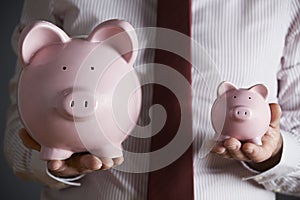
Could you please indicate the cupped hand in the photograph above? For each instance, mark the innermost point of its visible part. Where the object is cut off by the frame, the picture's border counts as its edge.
(260, 157)
(77, 164)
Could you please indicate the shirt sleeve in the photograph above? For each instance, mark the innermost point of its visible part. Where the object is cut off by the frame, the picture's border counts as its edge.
(285, 177)
(25, 162)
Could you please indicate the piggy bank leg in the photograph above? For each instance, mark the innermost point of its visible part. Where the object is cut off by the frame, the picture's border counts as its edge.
(108, 151)
(48, 153)
(256, 140)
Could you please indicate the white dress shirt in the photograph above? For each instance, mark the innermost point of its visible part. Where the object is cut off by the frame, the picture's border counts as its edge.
(248, 42)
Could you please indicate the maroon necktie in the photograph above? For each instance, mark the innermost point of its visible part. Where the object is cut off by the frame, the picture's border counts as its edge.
(174, 181)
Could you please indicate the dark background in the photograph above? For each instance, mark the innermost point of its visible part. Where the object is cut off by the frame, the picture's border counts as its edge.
(12, 187)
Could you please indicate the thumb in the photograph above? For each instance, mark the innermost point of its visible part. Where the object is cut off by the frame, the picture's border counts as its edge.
(275, 115)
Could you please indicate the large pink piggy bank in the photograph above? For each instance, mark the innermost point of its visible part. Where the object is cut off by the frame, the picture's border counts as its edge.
(243, 114)
(79, 94)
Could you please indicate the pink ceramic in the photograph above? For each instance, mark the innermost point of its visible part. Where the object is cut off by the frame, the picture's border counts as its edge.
(243, 114)
(79, 94)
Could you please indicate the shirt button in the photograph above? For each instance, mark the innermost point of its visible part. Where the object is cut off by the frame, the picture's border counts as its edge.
(277, 190)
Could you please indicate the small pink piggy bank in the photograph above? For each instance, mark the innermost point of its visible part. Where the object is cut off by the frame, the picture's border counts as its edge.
(243, 114)
(79, 94)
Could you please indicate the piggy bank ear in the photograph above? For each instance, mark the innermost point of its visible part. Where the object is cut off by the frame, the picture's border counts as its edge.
(225, 87)
(260, 89)
(37, 36)
(120, 35)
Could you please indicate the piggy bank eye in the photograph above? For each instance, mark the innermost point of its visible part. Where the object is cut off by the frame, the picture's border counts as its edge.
(64, 68)
(234, 97)
(92, 68)
(250, 97)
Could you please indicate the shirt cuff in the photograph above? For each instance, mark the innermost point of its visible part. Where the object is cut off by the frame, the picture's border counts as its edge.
(288, 162)
(40, 170)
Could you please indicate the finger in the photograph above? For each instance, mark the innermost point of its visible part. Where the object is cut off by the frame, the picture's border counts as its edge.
(275, 115)
(233, 146)
(75, 165)
(118, 161)
(55, 165)
(28, 141)
(84, 163)
(107, 163)
(227, 155)
(219, 148)
(59, 168)
(90, 162)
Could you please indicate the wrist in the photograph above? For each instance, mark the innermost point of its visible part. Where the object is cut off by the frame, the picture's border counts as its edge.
(267, 164)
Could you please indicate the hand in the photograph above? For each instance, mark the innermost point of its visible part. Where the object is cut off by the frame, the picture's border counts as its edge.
(78, 163)
(258, 157)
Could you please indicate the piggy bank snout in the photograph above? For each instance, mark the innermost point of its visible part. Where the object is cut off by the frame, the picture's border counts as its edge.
(241, 113)
(78, 104)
